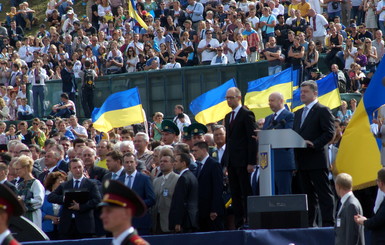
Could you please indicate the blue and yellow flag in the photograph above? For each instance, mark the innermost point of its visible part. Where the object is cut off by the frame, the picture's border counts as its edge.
(119, 110)
(211, 106)
(133, 14)
(359, 152)
(258, 91)
(328, 93)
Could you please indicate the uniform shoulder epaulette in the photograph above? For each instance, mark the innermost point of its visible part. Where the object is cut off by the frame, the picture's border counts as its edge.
(136, 239)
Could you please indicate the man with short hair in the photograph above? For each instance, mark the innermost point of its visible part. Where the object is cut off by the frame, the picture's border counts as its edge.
(184, 204)
(347, 231)
(220, 142)
(88, 156)
(164, 187)
(114, 161)
(207, 47)
(4, 170)
(194, 12)
(273, 56)
(143, 155)
(141, 184)
(252, 39)
(210, 189)
(315, 124)
(319, 25)
(284, 164)
(178, 109)
(78, 130)
(51, 160)
(77, 219)
(102, 149)
(170, 132)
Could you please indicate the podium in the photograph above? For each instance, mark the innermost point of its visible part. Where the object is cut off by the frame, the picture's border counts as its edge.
(274, 139)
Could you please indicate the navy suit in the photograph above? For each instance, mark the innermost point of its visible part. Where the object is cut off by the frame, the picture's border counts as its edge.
(376, 225)
(143, 187)
(11, 186)
(121, 177)
(318, 127)
(283, 158)
(210, 190)
(69, 83)
(84, 218)
(184, 204)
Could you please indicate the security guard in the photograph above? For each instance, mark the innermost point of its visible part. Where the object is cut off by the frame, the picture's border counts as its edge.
(9, 206)
(197, 131)
(170, 132)
(186, 137)
(119, 205)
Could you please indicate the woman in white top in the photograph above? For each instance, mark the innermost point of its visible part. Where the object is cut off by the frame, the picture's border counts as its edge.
(132, 60)
(371, 53)
(349, 53)
(104, 8)
(240, 49)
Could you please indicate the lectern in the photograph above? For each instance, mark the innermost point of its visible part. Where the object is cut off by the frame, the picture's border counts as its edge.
(274, 139)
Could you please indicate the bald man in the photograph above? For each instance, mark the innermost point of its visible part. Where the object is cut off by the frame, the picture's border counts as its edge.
(283, 158)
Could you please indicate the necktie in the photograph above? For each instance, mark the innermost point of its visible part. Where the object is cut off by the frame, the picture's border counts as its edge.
(76, 184)
(304, 114)
(199, 168)
(37, 80)
(232, 118)
(314, 23)
(129, 181)
(274, 121)
(114, 176)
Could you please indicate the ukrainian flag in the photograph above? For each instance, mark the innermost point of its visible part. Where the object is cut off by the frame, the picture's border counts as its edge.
(328, 93)
(258, 91)
(133, 14)
(119, 110)
(211, 106)
(359, 152)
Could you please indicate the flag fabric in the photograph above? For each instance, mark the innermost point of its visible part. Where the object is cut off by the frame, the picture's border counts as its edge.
(118, 110)
(258, 91)
(328, 93)
(359, 151)
(211, 106)
(133, 14)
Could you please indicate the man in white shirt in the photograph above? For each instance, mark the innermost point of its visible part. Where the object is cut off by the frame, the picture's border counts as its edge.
(195, 12)
(178, 109)
(319, 25)
(26, 52)
(37, 77)
(138, 46)
(219, 58)
(172, 63)
(78, 130)
(207, 48)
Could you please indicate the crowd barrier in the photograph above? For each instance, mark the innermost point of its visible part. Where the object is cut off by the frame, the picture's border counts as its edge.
(160, 90)
(308, 236)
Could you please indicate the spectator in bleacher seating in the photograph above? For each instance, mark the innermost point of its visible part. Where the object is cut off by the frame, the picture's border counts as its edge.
(219, 58)
(272, 53)
(267, 23)
(26, 52)
(378, 43)
(4, 110)
(319, 24)
(5, 72)
(65, 108)
(172, 63)
(24, 111)
(25, 16)
(207, 47)
(343, 113)
(253, 42)
(340, 77)
(37, 78)
(311, 59)
(299, 24)
(335, 41)
(363, 34)
(68, 79)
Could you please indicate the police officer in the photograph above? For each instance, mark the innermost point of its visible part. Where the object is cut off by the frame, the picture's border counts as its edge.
(9, 206)
(119, 205)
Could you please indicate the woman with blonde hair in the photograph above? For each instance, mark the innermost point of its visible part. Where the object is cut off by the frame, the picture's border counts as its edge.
(4, 110)
(30, 190)
(156, 126)
(371, 53)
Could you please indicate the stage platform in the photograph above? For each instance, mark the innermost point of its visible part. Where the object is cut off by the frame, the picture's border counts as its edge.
(308, 236)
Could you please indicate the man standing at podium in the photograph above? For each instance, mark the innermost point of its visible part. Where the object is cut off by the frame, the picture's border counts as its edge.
(315, 124)
(283, 158)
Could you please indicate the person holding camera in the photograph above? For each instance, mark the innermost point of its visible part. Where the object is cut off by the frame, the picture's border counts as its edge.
(207, 48)
(37, 77)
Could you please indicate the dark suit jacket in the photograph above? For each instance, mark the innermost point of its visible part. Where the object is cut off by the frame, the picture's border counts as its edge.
(68, 80)
(121, 177)
(377, 225)
(210, 189)
(97, 173)
(283, 158)
(142, 186)
(11, 186)
(318, 127)
(241, 147)
(184, 204)
(44, 175)
(19, 35)
(63, 166)
(84, 218)
(349, 232)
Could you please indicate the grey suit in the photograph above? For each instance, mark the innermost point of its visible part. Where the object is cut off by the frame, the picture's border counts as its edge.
(347, 231)
(163, 192)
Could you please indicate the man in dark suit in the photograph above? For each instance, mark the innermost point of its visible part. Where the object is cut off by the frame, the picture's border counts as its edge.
(15, 33)
(3, 177)
(89, 158)
(210, 188)
(114, 161)
(184, 204)
(76, 219)
(315, 124)
(68, 78)
(376, 224)
(118, 206)
(9, 206)
(142, 186)
(240, 154)
(51, 160)
(347, 231)
(283, 158)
